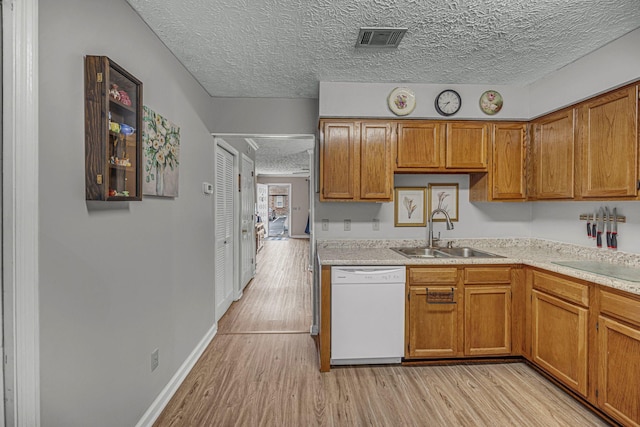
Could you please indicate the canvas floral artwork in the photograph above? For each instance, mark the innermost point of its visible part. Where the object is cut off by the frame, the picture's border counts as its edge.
(161, 152)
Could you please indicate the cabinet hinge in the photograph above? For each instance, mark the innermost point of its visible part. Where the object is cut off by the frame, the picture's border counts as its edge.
(597, 326)
(99, 77)
(638, 186)
(596, 392)
(99, 179)
(408, 297)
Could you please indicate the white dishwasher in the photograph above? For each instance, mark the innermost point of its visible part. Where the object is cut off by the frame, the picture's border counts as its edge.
(367, 314)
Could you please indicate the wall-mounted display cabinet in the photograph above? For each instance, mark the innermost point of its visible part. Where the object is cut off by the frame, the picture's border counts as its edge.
(113, 138)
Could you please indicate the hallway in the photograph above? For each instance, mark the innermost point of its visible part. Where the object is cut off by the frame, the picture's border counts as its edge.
(261, 369)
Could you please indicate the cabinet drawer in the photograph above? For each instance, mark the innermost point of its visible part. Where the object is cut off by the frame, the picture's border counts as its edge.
(441, 276)
(620, 306)
(487, 275)
(563, 288)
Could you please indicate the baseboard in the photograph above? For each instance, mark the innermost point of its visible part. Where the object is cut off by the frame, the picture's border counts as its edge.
(170, 389)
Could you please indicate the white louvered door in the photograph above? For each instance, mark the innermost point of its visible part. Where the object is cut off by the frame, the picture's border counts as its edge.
(224, 231)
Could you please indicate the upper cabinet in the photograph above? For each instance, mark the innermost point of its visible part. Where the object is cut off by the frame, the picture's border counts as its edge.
(433, 146)
(506, 180)
(113, 142)
(553, 156)
(356, 161)
(609, 145)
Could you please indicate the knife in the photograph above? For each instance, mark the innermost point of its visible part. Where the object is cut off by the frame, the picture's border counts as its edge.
(600, 228)
(589, 224)
(594, 224)
(607, 219)
(614, 233)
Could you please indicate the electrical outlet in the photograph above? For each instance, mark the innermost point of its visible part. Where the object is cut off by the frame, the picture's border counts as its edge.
(375, 224)
(347, 225)
(155, 359)
(325, 225)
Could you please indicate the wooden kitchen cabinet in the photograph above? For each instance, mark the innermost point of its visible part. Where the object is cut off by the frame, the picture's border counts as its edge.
(559, 317)
(609, 145)
(553, 156)
(487, 311)
(355, 161)
(113, 137)
(506, 179)
(432, 323)
(434, 146)
(618, 388)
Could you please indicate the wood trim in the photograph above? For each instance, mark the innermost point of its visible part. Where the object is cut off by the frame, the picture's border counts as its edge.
(324, 335)
(20, 212)
(158, 405)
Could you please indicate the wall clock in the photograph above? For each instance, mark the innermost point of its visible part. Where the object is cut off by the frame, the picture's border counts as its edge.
(490, 102)
(448, 102)
(401, 101)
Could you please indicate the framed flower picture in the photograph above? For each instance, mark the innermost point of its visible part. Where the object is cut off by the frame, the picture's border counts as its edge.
(161, 152)
(410, 206)
(444, 196)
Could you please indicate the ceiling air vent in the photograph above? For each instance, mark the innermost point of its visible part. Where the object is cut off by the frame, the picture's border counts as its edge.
(380, 37)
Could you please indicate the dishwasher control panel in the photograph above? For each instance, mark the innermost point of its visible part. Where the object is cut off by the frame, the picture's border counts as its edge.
(368, 274)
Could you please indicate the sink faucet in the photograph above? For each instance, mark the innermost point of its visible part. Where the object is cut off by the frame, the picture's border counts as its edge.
(430, 225)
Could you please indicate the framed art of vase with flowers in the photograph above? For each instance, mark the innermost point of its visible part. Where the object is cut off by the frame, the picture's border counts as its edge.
(161, 153)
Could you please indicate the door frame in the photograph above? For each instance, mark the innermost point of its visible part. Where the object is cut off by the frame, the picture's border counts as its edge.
(20, 118)
(289, 186)
(252, 229)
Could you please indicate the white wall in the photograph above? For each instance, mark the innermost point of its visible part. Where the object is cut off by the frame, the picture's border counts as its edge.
(299, 201)
(340, 99)
(475, 219)
(117, 280)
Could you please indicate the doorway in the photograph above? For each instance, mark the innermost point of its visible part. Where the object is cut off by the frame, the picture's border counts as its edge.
(279, 205)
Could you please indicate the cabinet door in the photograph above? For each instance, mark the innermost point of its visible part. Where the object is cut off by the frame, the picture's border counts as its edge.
(554, 156)
(619, 371)
(339, 160)
(376, 172)
(487, 320)
(560, 339)
(609, 145)
(508, 161)
(466, 145)
(419, 145)
(432, 326)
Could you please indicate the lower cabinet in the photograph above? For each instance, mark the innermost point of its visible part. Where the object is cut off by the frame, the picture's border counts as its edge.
(432, 321)
(560, 322)
(487, 320)
(560, 339)
(619, 358)
(457, 312)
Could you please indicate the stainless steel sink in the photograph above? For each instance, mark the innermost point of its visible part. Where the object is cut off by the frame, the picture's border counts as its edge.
(421, 252)
(463, 252)
(467, 253)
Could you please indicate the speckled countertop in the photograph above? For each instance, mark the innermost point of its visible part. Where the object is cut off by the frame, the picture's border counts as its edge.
(533, 252)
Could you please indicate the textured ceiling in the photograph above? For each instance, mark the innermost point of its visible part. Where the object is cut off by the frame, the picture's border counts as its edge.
(283, 48)
(278, 156)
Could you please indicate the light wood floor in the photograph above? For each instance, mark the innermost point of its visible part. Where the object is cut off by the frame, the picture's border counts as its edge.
(262, 370)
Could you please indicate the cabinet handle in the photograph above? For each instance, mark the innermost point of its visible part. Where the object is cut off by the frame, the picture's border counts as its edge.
(440, 297)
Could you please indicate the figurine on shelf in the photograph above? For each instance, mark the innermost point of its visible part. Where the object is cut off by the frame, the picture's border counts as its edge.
(112, 192)
(124, 98)
(114, 92)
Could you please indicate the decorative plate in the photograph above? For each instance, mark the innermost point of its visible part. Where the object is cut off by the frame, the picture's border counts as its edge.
(491, 102)
(401, 101)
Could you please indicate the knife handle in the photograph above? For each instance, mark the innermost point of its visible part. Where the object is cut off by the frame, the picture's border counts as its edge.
(588, 228)
(608, 239)
(599, 239)
(614, 240)
(594, 230)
